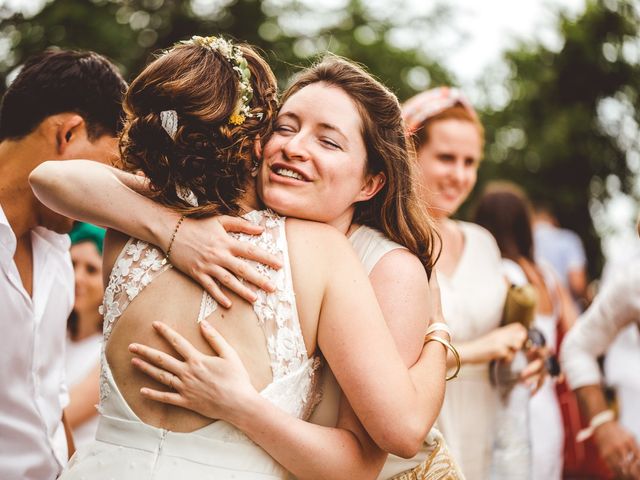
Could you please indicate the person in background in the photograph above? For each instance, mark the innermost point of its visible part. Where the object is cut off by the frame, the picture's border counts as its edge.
(622, 359)
(449, 140)
(504, 210)
(84, 332)
(615, 308)
(62, 104)
(563, 249)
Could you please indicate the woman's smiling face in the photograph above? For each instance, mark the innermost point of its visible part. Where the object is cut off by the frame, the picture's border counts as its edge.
(314, 164)
(449, 164)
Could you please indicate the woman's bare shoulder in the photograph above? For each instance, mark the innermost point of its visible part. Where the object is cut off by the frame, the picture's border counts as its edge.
(401, 263)
(316, 234)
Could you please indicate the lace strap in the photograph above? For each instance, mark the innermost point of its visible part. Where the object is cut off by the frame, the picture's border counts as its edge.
(135, 267)
(276, 311)
(207, 306)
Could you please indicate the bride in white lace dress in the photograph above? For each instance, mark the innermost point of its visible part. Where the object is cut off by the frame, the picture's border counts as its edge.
(197, 163)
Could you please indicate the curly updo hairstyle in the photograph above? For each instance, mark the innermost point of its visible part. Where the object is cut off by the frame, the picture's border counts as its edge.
(208, 155)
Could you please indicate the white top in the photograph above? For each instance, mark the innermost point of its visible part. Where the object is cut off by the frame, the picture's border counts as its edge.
(616, 307)
(32, 440)
(371, 245)
(82, 357)
(472, 302)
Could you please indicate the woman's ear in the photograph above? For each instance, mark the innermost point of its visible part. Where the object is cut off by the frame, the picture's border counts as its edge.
(257, 147)
(371, 187)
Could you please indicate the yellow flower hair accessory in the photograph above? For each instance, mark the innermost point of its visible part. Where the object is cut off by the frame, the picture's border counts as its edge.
(240, 66)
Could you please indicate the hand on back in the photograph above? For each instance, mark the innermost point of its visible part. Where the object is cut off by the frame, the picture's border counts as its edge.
(204, 250)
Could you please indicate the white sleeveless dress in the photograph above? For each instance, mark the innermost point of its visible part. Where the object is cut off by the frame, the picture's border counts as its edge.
(126, 448)
(370, 246)
(473, 298)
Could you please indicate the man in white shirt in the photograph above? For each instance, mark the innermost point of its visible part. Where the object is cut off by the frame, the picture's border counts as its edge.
(615, 308)
(62, 105)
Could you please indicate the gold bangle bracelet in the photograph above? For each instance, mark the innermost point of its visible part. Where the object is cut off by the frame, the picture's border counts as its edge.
(451, 349)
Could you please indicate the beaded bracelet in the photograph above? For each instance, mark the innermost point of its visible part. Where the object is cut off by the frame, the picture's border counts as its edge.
(173, 237)
(450, 348)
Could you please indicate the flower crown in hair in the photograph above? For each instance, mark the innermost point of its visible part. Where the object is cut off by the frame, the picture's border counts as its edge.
(234, 55)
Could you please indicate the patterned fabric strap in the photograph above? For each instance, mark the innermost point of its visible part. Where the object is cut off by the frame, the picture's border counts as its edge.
(439, 465)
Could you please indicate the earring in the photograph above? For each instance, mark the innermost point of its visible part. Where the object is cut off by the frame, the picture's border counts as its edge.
(255, 167)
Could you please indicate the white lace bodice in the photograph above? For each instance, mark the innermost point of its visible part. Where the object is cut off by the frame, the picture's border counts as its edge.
(293, 387)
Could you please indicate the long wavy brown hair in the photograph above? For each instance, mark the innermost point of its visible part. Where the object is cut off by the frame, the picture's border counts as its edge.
(396, 210)
(208, 155)
(505, 211)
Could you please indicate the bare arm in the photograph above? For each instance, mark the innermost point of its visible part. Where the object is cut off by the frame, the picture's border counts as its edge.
(84, 397)
(617, 306)
(577, 279)
(401, 287)
(400, 284)
(96, 193)
(569, 311)
(103, 195)
(378, 386)
(618, 447)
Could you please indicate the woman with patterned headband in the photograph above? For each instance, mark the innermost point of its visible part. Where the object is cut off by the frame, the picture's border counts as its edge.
(188, 132)
(449, 139)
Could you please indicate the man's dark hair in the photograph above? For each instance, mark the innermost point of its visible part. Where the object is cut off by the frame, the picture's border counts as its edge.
(58, 81)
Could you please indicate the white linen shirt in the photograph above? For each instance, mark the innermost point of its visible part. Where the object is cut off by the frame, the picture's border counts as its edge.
(32, 342)
(616, 307)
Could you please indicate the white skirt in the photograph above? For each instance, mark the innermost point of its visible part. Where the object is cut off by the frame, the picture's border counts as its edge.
(129, 450)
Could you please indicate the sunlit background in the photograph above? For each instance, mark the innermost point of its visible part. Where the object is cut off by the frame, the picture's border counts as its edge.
(557, 82)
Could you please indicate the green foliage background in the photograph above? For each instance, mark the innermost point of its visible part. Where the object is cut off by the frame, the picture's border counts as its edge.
(550, 137)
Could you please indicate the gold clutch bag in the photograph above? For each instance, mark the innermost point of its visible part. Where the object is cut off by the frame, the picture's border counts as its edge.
(520, 305)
